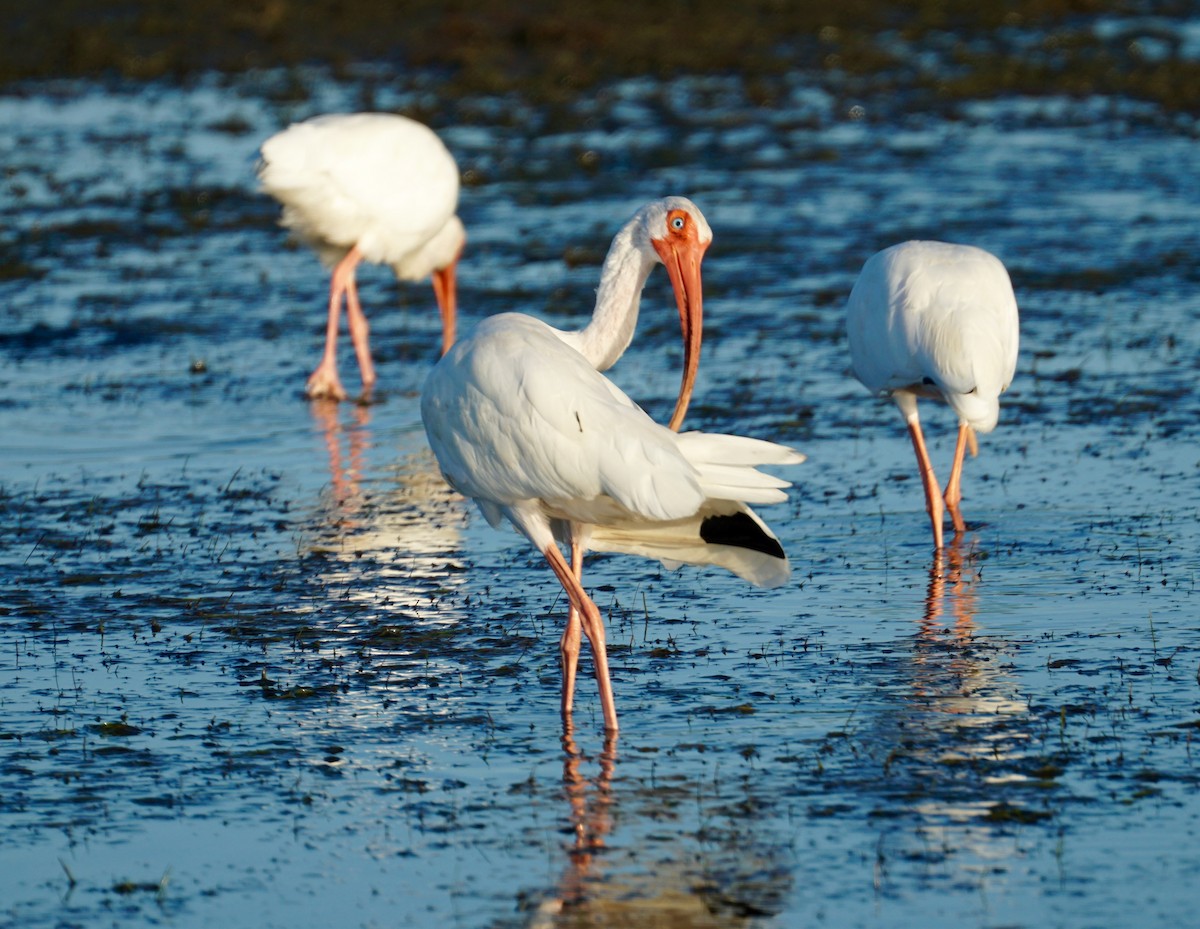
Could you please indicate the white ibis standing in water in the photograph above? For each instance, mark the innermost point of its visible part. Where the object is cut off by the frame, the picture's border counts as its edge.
(521, 420)
(930, 319)
(367, 187)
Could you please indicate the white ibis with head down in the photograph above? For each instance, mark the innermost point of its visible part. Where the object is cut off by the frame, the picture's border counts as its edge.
(935, 320)
(369, 187)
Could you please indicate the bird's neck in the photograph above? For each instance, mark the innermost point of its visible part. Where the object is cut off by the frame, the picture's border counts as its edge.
(622, 278)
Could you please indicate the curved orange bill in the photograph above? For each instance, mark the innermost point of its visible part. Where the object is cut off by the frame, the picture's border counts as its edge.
(682, 260)
(445, 290)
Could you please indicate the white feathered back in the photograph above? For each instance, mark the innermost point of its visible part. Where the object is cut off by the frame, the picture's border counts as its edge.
(383, 182)
(934, 315)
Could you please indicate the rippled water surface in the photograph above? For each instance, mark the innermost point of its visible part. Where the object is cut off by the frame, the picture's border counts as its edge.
(258, 666)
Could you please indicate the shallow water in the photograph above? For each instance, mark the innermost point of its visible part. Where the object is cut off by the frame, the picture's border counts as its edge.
(261, 668)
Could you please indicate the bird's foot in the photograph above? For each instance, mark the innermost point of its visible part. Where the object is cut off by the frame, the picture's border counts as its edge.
(366, 398)
(935, 508)
(323, 384)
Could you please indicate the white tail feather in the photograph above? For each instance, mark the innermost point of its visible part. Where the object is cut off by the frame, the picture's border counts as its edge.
(740, 482)
(727, 466)
(717, 448)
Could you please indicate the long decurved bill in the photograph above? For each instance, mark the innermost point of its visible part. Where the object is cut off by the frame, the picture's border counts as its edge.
(445, 289)
(682, 259)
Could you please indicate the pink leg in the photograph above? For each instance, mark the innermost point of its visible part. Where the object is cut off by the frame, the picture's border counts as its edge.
(933, 493)
(593, 628)
(359, 335)
(568, 648)
(324, 382)
(954, 485)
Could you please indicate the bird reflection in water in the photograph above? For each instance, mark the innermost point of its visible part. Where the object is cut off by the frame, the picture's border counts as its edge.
(964, 730)
(591, 816)
(953, 576)
(957, 740)
(402, 526)
(953, 672)
(606, 886)
(345, 469)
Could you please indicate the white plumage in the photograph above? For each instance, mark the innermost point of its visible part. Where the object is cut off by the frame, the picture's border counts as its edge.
(521, 420)
(368, 187)
(936, 320)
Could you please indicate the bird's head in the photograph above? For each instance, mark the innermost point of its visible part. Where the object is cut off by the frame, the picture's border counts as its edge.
(680, 235)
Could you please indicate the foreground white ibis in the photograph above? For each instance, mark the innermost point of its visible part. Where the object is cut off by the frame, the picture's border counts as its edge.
(930, 319)
(521, 420)
(367, 187)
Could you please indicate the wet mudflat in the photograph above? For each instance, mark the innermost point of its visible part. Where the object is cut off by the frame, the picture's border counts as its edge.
(260, 667)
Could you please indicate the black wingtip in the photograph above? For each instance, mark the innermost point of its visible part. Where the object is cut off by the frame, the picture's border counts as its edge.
(741, 531)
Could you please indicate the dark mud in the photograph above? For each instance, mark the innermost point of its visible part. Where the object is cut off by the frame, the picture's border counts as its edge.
(550, 52)
(258, 666)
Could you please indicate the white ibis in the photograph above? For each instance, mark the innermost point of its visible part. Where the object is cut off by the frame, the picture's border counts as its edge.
(367, 187)
(930, 319)
(521, 420)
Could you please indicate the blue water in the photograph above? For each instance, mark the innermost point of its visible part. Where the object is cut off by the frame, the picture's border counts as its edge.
(258, 666)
